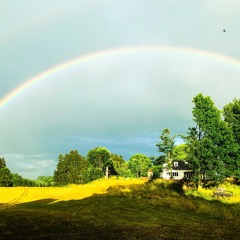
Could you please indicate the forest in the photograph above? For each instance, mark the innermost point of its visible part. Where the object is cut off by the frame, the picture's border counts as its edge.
(211, 148)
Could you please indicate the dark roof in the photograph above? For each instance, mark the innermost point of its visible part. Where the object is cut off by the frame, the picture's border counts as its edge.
(182, 165)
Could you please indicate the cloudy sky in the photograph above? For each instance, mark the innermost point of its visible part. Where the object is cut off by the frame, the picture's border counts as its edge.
(132, 69)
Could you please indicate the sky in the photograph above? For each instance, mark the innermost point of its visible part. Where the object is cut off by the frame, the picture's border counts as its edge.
(77, 74)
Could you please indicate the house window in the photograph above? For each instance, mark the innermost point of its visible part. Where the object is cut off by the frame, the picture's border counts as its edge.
(175, 174)
(175, 164)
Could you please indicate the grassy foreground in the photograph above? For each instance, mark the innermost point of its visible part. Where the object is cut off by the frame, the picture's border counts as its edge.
(117, 209)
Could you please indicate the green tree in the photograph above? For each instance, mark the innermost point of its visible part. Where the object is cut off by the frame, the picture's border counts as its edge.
(210, 144)
(60, 174)
(5, 174)
(5, 177)
(70, 168)
(118, 164)
(180, 152)
(44, 181)
(2, 163)
(124, 170)
(16, 180)
(92, 173)
(28, 182)
(139, 164)
(100, 158)
(157, 164)
(231, 113)
(158, 161)
(165, 147)
(77, 167)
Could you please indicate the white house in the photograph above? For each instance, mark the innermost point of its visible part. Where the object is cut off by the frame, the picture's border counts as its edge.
(180, 170)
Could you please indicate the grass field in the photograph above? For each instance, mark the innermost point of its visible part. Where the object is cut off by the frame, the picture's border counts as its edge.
(118, 209)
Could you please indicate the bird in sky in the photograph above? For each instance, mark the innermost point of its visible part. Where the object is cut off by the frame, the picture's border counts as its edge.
(224, 30)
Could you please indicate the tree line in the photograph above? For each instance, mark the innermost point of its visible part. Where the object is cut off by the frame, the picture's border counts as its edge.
(73, 168)
(211, 148)
(9, 179)
(99, 162)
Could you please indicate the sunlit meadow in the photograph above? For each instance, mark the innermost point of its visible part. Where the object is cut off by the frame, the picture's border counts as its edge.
(119, 209)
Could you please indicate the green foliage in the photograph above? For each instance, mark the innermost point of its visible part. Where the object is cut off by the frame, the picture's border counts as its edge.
(180, 152)
(8, 179)
(120, 166)
(139, 164)
(98, 159)
(231, 114)
(5, 174)
(28, 182)
(124, 171)
(17, 180)
(166, 144)
(158, 161)
(92, 174)
(2, 163)
(210, 144)
(5, 177)
(70, 169)
(157, 164)
(45, 181)
(165, 147)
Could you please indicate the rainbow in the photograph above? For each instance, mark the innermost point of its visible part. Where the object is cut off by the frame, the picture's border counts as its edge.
(111, 52)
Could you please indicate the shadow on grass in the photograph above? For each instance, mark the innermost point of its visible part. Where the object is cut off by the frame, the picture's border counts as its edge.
(149, 211)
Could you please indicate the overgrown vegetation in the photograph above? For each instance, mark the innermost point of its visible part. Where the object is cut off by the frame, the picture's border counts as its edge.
(213, 150)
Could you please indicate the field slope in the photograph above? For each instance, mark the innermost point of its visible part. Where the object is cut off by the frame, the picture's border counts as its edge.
(115, 209)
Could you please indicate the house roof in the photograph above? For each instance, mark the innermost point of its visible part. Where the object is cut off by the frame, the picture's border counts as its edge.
(182, 165)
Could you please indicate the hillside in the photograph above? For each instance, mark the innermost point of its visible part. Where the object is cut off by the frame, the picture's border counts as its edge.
(117, 209)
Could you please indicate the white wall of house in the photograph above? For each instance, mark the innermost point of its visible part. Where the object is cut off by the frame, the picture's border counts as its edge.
(177, 174)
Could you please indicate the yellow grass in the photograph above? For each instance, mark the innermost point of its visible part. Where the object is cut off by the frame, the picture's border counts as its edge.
(236, 192)
(207, 193)
(16, 195)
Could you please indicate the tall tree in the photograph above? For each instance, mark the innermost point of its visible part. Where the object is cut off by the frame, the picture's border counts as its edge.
(100, 161)
(165, 147)
(17, 180)
(5, 174)
(118, 164)
(2, 163)
(5, 177)
(60, 174)
(70, 168)
(231, 113)
(139, 164)
(180, 152)
(211, 144)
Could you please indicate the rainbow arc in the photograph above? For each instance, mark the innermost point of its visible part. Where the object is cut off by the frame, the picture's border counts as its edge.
(111, 52)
